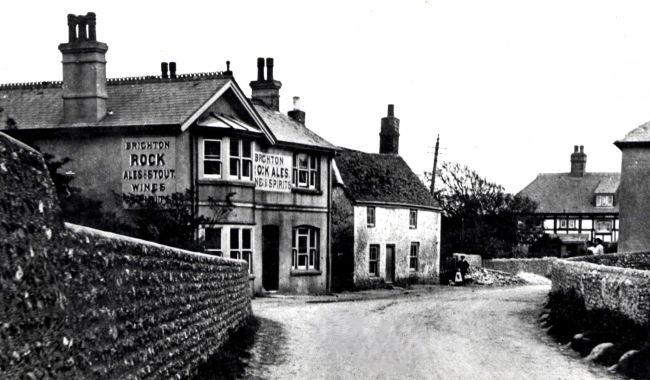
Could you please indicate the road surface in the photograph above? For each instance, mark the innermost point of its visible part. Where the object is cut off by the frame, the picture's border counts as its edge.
(444, 333)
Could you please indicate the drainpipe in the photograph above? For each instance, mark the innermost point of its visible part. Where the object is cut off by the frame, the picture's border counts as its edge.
(329, 225)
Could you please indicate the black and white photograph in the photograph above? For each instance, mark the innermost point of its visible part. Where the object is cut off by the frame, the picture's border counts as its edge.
(285, 189)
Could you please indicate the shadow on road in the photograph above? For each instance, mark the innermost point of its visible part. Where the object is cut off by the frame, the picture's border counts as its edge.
(247, 353)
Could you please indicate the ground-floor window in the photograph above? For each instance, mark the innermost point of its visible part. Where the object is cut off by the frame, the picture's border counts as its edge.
(212, 236)
(413, 256)
(305, 242)
(373, 260)
(241, 245)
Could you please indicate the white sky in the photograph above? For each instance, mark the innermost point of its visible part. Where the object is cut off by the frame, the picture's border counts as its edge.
(510, 86)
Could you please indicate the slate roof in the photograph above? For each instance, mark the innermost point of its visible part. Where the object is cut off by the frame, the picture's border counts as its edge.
(287, 130)
(639, 134)
(562, 193)
(129, 103)
(141, 101)
(374, 177)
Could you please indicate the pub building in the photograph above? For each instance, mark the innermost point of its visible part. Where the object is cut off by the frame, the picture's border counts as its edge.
(172, 132)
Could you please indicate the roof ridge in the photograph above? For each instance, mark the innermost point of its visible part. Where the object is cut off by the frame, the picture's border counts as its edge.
(124, 80)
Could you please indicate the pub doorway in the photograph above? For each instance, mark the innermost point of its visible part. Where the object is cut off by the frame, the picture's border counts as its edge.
(270, 257)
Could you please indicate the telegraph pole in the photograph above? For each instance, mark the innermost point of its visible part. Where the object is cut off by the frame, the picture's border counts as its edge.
(435, 165)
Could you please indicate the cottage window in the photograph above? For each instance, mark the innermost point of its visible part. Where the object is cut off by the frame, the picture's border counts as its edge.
(241, 159)
(413, 256)
(212, 158)
(241, 245)
(373, 260)
(572, 223)
(305, 248)
(370, 216)
(562, 223)
(413, 218)
(306, 169)
(212, 237)
(605, 200)
(605, 226)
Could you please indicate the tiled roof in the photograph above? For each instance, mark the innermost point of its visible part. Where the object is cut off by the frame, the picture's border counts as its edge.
(147, 101)
(286, 129)
(562, 193)
(373, 177)
(639, 134)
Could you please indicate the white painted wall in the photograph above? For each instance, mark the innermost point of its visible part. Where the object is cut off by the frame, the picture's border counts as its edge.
(392, 227)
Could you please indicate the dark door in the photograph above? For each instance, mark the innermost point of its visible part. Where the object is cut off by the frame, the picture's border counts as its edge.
(390, 263)
(270, 257)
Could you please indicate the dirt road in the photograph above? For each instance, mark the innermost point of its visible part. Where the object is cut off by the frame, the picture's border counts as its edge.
(447, 333)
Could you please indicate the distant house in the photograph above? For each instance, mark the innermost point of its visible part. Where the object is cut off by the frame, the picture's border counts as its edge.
(577, 206)
(385, 224)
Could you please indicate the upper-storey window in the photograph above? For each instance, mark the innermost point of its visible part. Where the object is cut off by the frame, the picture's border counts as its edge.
(370, 216)
(413, 218)
(605, 200)
(212, 158)
(241, 159)
(306, 169)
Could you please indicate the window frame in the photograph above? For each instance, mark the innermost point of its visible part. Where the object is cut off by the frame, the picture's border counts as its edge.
(216, 251)
(374, 261)
(312, 247)
(241, 161)
(601, 197)
(413, 218)
(240, 252)
(610, 222)
(219, 160)
(370, 222)
(312, 171)
(414, 258)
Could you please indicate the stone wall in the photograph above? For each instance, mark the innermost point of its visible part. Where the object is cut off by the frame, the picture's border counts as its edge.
(634, 260)
(541, 266)
(82, 303)
(617, 289)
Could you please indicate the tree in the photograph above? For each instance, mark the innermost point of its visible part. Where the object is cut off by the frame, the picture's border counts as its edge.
(170, 219)
(479, 217)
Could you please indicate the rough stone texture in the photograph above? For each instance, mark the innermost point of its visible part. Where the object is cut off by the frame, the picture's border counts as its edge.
(540, 267)
(611, 288)
(392, 227)
(604, 352)
(80, 303)
(634, 260)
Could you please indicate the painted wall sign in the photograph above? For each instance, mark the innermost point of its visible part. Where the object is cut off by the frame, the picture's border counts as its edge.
(272, 172)
(148, 165)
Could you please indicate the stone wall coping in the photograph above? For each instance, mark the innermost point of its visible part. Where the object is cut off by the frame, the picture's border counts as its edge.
(533, 259)
(113, 236)
(587, 266)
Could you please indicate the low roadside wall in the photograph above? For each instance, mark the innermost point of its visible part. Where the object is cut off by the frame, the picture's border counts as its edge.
(634, 260)
(623, 290)
(541, 266)
(82, 303)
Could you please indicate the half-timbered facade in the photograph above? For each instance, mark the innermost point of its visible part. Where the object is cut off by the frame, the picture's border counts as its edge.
(577, 206)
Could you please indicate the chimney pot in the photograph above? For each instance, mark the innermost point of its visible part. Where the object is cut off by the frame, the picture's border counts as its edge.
(269, 69)
(578, 161)
(260, 69)
(582, 149)
(296, 114)
(164, 70)
(575, 149)
(389, 134)
(296, 103)
(172, 70)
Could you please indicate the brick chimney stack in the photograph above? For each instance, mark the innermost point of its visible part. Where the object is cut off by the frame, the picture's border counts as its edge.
(297, 114)
(266, 91)
(84, 72)
(578, 161)
(389, 135)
